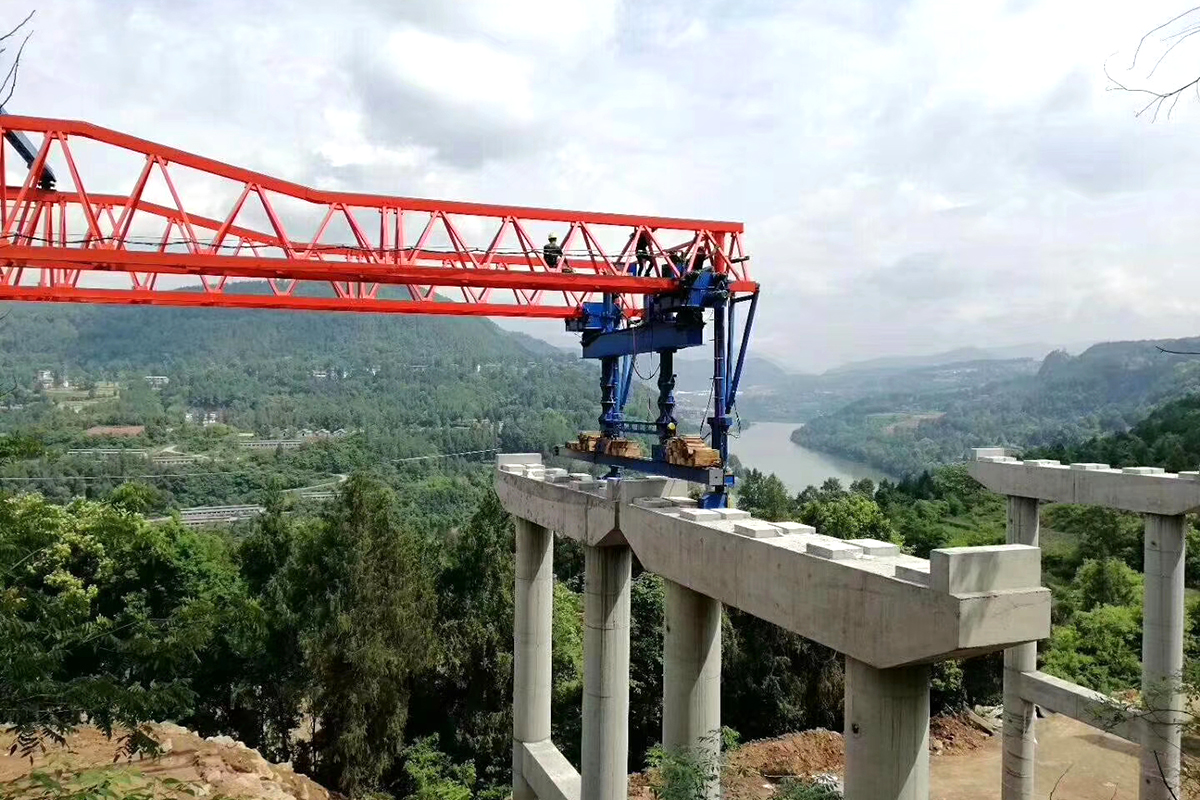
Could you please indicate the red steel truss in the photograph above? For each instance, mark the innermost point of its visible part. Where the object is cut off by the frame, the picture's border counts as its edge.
(184, 230)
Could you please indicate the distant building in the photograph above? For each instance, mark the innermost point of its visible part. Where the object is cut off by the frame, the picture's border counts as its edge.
(46, 378)
(157, 381)
(272, 444)
(320, 374)
(108, 452)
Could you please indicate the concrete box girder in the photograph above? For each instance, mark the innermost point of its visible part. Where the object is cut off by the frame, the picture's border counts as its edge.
(857, 606)
(1132, 489)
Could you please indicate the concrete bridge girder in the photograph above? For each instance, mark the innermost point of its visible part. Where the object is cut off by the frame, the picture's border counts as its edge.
(885, 610)
(891, 615)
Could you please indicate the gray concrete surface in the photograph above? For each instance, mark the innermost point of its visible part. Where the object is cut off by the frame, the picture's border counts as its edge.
(1162, 656)
(533, 618)
(857, 604)
(1019, 760)
(1080, 704)
(692, 673)
(605, 743)
(1090, 484)
(548, 773)
(886, 732)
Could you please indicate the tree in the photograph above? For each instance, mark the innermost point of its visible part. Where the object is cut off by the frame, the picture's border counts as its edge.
(1162, 92)
(1099, 649)
(9, 85)
(647, 600)
(775, 681)
(433, 775)
(101, 614)
(464, 697)
(848, 516)
(765, 497)
(369, 633)
(1107, 582)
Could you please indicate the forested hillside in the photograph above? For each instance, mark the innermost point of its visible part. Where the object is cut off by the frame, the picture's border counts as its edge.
(389, 387)
(1106, 389)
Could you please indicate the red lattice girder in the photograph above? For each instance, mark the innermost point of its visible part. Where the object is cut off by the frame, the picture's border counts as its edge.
(187, 222)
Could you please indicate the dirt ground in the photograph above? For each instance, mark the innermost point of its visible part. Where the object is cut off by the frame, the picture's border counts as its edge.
(1086, 764)
(226, 767)
(965, 763)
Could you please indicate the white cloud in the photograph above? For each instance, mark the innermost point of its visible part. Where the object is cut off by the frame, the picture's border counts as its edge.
(914, 174)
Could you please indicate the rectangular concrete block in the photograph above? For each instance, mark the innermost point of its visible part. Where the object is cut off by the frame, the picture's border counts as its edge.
(518, 458)
(966, 570)
(1143, 470)
(555, 472)
(914, 573)
(980, 453)
(755, 528)
(876, 548)
(1090, 466)
(682, 501)
(1044, 462)
(656, 486)
(699, 515)
(548, 772)
(580, 476)
(732, 513)
(654, 502)
(833, 550)
(793, 527)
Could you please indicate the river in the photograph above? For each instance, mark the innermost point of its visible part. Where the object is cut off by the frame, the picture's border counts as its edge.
(768, 447)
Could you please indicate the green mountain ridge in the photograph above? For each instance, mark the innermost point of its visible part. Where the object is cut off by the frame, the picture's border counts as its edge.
(1106, 389)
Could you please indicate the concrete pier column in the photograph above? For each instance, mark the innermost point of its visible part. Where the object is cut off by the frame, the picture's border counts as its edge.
(1019, 760)
(533, 617)
(692, 674)
(887, 732)
(1162, 656)
(605, 745)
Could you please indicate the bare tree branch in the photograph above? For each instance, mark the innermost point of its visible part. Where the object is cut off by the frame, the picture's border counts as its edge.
(13, 71)
(20, 25)
(1157, 99)
(1153, 31)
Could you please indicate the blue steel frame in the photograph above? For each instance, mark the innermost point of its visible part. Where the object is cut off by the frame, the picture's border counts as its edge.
(671, 322)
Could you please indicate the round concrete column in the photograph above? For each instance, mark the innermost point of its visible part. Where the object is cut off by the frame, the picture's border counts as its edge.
(1162, 656)
(1019, 761)
(533, 619)
(605, 745)
(692, 673)
(887, 732)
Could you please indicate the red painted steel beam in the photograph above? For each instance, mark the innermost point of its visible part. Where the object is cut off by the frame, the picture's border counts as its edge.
(213, 167)
(178, 299)
(74, 244)
(99, 260)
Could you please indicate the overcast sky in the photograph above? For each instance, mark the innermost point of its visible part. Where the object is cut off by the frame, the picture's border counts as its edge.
(913, 176)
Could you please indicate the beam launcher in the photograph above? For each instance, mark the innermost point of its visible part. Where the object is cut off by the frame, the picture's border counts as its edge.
(710, 476)
(649, 338)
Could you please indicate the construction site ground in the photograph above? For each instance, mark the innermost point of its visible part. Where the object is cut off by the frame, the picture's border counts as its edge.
(1085, 764)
